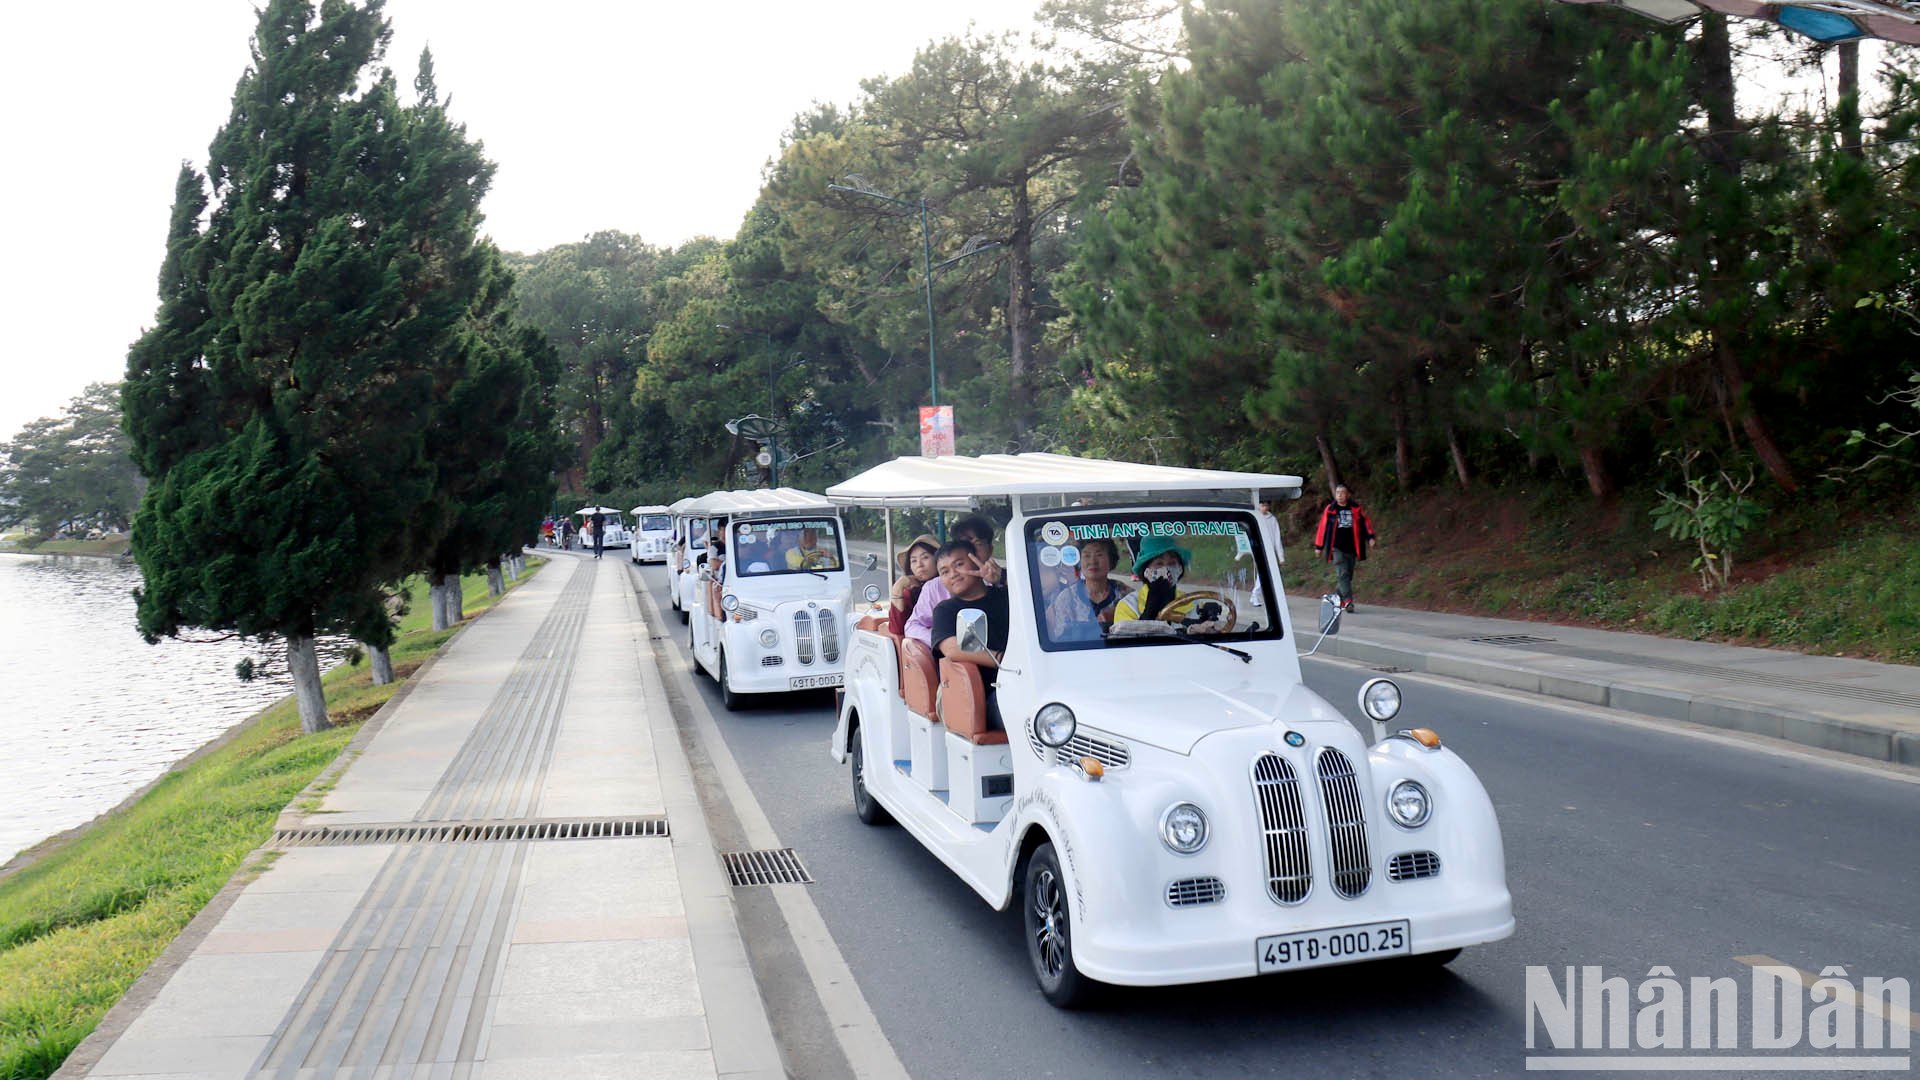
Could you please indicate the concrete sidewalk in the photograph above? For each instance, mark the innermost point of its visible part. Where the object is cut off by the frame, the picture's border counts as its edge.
(510, 878)
(1851, 706)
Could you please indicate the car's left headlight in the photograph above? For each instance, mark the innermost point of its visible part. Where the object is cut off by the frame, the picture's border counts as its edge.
(1409, 804)
(1183, 828)
(1380, 699)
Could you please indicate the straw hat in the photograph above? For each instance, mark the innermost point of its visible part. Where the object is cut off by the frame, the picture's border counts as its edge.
(924, 538)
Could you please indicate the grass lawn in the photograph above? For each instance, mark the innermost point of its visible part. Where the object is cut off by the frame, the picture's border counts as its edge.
(112, 545)
(79, 926)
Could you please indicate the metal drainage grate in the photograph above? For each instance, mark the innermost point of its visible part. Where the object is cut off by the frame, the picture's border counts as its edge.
(1508, 641)
(1411, 865)
(777, 866)
(458, 832)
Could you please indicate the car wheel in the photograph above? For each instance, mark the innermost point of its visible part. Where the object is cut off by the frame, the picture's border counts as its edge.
(1049, 932)
(727, 697)
(865, 806)
(1437, 959)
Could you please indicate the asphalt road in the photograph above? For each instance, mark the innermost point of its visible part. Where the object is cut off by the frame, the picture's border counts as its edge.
(1627, 847)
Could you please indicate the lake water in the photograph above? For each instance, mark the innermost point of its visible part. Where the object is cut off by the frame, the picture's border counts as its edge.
(89, 712)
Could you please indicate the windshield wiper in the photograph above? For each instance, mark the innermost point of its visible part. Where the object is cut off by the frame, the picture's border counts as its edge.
(1245, 657)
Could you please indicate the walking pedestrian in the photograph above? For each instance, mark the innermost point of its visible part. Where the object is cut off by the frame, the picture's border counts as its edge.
(1344, 536)
(597, 531)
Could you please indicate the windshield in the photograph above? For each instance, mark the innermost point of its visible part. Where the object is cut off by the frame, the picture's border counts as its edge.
(655, 523)
(1129, 577)
(797, 546)
(697, 532)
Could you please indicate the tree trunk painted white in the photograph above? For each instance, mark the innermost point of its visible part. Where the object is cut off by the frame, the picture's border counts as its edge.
(436, 599)
(511, 564)
(303, 660)
(454, 611)
(381, 663)
(496, 583)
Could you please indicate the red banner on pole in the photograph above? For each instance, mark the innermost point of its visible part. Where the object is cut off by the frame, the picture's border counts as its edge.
(936, 431)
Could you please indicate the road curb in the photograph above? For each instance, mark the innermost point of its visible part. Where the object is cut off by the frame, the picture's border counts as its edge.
(1787, 725)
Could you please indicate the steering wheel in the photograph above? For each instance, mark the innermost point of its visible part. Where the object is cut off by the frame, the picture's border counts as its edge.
(1192, 601)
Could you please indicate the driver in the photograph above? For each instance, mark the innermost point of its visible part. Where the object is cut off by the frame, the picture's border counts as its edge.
(809, 555)
(1159, 565)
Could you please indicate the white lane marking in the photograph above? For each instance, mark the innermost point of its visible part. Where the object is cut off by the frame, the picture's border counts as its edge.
(1885, 770)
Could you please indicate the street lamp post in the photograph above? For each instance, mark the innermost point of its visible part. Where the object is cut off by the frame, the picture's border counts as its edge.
(927, 265)
(773, 445)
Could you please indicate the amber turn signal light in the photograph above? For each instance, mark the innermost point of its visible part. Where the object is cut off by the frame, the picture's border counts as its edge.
(1092, 769)
(1426, 737)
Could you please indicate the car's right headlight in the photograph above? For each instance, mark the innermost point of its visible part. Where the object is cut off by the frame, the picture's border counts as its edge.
(769, 638)
(1183, 828)
(1054, 724)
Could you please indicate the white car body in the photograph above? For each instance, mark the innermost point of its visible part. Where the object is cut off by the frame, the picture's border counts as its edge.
(652, 534)
(756, 625)
(1165, 725)
(686, 556)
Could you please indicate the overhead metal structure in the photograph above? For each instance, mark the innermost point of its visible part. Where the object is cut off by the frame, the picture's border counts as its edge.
(1827, 21)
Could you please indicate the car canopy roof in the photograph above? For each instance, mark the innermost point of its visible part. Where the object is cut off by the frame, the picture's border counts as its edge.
(760, 501)
(961, 482)
(649, 510)
(683, 506)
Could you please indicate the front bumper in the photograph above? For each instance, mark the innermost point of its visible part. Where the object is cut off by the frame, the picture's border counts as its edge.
(1217, 940)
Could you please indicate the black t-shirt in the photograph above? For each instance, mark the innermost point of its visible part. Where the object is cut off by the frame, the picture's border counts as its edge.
(946, 622)
(1344, 527)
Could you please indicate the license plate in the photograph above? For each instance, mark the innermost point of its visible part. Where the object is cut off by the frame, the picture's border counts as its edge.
(812, 682)
(1340, 945)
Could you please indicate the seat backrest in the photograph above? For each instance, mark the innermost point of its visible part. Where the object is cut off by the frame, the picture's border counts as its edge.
(918, 676)
(963, 702)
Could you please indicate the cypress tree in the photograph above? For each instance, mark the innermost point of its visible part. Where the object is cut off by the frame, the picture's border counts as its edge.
(281, 403)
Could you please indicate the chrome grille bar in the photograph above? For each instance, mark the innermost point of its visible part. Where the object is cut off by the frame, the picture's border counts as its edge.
(829, 635)
(802, 637)
(1283, 829)
(1346, 823)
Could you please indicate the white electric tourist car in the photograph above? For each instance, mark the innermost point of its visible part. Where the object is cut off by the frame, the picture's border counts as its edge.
(652, 534)
(686, 557)
(613, 525)
(1168, 802)
(772, 614)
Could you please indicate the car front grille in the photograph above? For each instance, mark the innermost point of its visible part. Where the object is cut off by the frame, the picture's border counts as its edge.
(1283, 829)
(1199, 890)
(802, 637)
(829, 634)
(1346, 823)
(1413, 865)
(772, 661)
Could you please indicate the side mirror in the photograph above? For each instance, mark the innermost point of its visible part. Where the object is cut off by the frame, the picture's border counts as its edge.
(706, 574)
(1330, 615)
(973, 630)
(873, 563)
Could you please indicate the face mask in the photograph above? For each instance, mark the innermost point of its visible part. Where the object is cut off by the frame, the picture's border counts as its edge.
(1162, 573)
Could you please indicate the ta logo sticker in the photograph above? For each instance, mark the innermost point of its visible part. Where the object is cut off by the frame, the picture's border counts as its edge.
(1054, 532)
(746, 530)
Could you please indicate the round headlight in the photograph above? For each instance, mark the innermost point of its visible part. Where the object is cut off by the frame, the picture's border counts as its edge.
(1183, 828)
(873, 593)
(729, 602)
(1409, 804)
(769, 638)
(1053, 725)
(1380, 699)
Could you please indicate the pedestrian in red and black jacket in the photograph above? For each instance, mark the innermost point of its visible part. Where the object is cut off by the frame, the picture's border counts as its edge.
(1344, 535)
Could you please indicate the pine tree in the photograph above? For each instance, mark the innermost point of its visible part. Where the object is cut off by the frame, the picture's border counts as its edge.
(280, 403)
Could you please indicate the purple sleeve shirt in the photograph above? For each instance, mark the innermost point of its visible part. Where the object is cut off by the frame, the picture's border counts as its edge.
(920, 623)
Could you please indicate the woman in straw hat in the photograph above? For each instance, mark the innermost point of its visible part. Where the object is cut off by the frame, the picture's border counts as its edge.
(916, 569)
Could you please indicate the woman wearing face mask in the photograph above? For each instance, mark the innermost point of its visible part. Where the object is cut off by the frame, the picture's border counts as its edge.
(1160, 565)
(916, 569)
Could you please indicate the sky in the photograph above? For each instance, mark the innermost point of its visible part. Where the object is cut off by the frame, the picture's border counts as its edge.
(651, 117)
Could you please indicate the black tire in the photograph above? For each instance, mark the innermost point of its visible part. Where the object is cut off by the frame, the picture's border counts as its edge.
(692, 656)
(727, 697)
(1048, 920)
(865, 806)
(1438, 959)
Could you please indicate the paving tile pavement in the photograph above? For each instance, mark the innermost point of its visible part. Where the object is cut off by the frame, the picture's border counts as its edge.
(511, 958)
